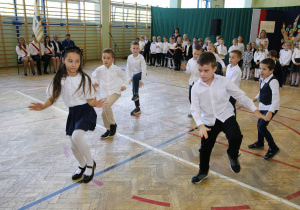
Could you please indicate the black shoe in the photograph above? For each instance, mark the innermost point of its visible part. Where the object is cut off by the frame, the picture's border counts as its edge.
(113, 130)
(291, 84)
(78, 176)
(105, 135)
(234, 164)
(271, 153)
(46, 72)
(135, 97)
(25, 74)
(199, 177)
(255, 145)
(136, 111)
(296, 85)
(33, 73)
(87, 179)
(39, 73)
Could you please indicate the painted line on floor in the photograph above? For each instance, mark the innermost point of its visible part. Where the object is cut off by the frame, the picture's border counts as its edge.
(231, 208)
(65, 149)
(150, 148)
(159, 203)
(294, 195)
(11, 110)
(97, 182)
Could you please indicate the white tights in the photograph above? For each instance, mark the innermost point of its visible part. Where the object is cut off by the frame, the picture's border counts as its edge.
(171, 63)
(256, 74)
(295, 78)
(246, 72)
(81, 151)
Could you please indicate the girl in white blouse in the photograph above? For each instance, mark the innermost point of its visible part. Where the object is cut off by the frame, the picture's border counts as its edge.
(259, 55)
(78, 94)
(49, 53)
(24, 55)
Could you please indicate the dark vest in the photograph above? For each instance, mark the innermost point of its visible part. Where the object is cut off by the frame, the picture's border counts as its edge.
(265, 95)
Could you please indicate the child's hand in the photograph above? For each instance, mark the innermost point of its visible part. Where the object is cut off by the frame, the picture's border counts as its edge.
(246, 63)
(203, 131)
(269, 116)
(123, 88)
(141, 84)
(254, 100)
(224, 70)
(130, 81)
(101, 103)
(282, 65)
(36, 106)
(260, 115)
(183, 67)
(257, 63)
(96, 85)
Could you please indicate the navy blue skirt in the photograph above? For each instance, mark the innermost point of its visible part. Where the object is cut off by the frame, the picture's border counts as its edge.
(81, 117)
(169, 55)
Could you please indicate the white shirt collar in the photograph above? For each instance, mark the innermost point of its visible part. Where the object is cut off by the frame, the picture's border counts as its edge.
(266, 80)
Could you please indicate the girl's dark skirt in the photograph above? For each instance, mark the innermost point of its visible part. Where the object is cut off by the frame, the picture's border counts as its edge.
(294, 67)
(81, 117)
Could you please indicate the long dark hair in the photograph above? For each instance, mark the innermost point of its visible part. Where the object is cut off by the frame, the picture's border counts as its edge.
(62, 73)
(45, 43)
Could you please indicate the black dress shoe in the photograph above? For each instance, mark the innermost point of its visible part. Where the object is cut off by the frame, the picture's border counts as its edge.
(255, 145)
(87, 179)
(199, 177)
(271, 153)
(39, 73)
(46, 72)
(78, 176)
(234, 164)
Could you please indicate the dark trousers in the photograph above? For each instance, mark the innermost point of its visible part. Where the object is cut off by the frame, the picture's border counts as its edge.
(164, 60)
(142, 53)
(152, 56)
(233, 102)
(135, 86)
(190, 93)
(146, 55)
(285, 70)
(233, 133)
(263, 131)
(177, 62)
(46, 59)
(38, 59)
(158, 58)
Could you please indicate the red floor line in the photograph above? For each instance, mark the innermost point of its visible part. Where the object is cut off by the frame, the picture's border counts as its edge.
(65, 148)
(151, 201)
(97, 182)
(231, 208)
(296, 159)
(294, 195)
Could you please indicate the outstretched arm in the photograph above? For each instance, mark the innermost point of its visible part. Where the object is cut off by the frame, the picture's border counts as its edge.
(40, 106)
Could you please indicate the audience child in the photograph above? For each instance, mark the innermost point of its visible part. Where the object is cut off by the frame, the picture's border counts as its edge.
(188, 51)
(213, 113)
(220, 63)
(192, 68)
(206, 43)
(285, 57)
(253, 45)
(147, 50)
(222, 50)
(159, 49)
(268, 98)
(170, 53)
(136, 73)
(164, 52)
(296, 66)
(259, 55)
(234, 72)
(49, 53)
(234, 45)
(142, 45)
(278, 69)
(112, 80)
(23, 53)
(185, 40)
(200, 42)
(247, 58)
(137, 39)
(241, 48)
(178, 54)
(195, 42)
(153, 51)
(217, 40)
(37, 54)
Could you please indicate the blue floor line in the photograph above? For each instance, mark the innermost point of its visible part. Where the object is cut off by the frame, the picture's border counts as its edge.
(13, 110)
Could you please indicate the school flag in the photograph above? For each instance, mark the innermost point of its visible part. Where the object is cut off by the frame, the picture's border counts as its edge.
(37, 23)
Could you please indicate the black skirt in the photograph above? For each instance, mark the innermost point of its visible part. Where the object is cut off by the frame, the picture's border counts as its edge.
(81, 117)
(294, 67)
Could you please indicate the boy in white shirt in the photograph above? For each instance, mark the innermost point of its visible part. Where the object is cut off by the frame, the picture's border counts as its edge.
(136, 73)
(234, 73)
(222, 49)
(285, 57)
(153, 51)
(213, 113)
(112, 80)
(37, 54)
(192, 68)
(164, 52)
(217, 43)
(159, 49)
(234, 45)
(142, 45)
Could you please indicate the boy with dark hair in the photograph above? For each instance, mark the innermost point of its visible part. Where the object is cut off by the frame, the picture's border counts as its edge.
(278, 69)
(213, 113)
(268, 98)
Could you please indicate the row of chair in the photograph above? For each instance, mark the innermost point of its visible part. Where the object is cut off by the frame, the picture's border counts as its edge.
(29, 69)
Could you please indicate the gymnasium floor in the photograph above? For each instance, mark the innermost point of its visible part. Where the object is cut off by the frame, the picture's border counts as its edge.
(150, 162)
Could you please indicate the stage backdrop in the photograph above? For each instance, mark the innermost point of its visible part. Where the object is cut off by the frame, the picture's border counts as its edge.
(196, 22)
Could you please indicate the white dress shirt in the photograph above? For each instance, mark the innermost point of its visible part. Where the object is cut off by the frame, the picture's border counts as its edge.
(33, 50)
(159, 48)
(259, 56)
(187, 50)
(285, 56)
(222, 50)
(110, 79)
(241, 47)
(51, 48)
(153, 48)
(274, 85)
(219, 60)
(212, 102)
(184, 43)
(136, 65)
(296, 54)
(69, 93)
(57, 46)
(171, 46)
(192, 68)
(233, 47)
(165, 47)
(234, 73)
(21, 53)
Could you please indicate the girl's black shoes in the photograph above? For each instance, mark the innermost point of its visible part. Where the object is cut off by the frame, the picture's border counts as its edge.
(87, 179)
(78, 176)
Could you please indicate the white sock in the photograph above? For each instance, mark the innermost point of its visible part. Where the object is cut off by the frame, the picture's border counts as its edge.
(83, 148)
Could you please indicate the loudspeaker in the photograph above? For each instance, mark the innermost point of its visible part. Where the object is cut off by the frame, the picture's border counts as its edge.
(215, 26)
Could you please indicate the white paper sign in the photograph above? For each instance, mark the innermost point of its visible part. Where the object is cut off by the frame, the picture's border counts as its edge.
(269, 26)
